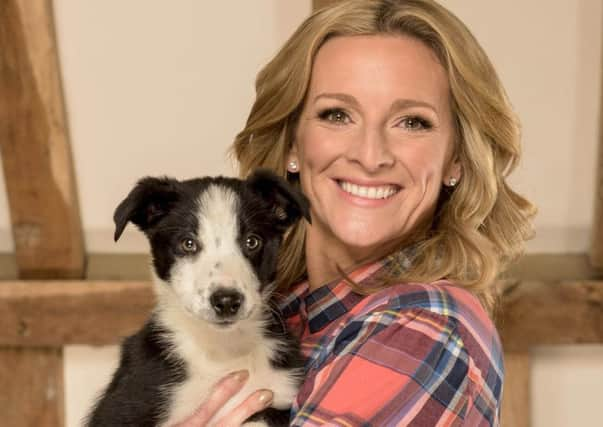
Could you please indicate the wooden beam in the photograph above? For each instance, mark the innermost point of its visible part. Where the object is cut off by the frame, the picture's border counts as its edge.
(532, 267)
(516, 392)
(34, 145)
(31, 381)
(551, 313)
(57, 313)
(553, 268)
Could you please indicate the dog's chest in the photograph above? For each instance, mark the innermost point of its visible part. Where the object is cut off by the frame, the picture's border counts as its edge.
(204, 372)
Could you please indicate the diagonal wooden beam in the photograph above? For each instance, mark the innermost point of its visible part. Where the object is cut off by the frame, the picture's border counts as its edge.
(34, 145)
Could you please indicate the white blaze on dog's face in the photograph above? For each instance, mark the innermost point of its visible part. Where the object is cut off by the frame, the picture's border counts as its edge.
(217, 283)
(214, 241)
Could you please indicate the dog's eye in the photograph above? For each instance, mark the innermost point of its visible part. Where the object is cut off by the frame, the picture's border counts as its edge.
(189, 246)
(253, 242)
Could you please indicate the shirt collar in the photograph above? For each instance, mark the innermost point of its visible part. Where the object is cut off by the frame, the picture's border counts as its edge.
(320, 307)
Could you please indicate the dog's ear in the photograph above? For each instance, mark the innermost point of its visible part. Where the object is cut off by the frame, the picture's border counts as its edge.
(149, 201)
(289, 203)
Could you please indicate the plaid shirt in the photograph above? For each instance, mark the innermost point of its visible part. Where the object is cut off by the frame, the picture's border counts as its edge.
(410, 355)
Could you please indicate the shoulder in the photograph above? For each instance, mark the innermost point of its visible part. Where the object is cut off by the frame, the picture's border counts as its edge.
(444, 309)
(440, 299)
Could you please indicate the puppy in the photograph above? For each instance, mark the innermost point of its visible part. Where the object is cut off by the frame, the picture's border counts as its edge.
(214, 244)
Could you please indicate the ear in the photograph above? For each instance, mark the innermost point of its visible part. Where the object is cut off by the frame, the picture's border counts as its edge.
(452, 171)
(289, 203)
(149, 201)
(292, 165)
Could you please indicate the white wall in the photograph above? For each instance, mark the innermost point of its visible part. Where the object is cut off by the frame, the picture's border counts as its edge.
(156, 87)
(548, 54)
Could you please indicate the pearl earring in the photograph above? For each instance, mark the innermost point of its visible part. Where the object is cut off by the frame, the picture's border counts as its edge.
(452, 182)
(292, 166)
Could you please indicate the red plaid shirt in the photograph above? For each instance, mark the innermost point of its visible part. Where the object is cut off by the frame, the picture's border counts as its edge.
(411, 355)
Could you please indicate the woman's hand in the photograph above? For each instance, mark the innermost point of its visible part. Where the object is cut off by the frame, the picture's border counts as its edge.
(221, 393)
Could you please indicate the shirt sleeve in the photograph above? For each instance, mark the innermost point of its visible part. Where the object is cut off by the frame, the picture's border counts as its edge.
(390, 368)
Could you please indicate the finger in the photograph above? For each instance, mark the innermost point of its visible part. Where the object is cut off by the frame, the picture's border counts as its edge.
(256, 402)
(226, 388)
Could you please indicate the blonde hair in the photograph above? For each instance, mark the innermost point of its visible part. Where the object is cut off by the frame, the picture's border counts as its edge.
(480, 226)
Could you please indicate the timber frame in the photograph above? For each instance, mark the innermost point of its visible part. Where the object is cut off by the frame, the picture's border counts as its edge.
(55, 298)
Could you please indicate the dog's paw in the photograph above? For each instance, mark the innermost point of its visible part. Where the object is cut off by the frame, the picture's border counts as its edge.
(256, 424)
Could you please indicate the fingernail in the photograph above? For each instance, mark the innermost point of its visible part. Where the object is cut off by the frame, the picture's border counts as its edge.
(239, 376)
(265, 398)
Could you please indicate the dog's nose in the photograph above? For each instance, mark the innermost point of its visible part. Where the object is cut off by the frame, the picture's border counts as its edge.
(225, 302)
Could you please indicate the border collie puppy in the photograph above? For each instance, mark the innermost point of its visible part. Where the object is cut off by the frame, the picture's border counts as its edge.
(214, 244)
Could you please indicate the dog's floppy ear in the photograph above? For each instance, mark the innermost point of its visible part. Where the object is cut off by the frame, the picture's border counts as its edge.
(150, 200)
(289, 203)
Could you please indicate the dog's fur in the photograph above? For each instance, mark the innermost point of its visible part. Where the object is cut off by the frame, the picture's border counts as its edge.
(216, 311)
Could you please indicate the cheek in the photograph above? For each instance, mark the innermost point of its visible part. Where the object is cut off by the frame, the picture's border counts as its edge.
(183, 277)
(316, 147)
(424, 162)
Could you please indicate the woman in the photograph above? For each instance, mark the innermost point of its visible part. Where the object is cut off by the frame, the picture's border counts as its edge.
(393, 121)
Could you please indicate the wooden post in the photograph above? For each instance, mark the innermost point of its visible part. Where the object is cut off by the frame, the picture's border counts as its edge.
(32, 387)
(34, 145)
(42, 198)
(516, 392)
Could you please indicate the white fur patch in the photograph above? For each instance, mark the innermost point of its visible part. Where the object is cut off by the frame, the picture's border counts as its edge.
(210, 354)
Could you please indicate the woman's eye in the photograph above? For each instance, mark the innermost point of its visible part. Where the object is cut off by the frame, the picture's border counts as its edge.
(189, 246)
(335, 115)
(415, 123)
(253, 242)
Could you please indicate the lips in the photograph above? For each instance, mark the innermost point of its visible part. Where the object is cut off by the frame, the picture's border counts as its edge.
(375, 192)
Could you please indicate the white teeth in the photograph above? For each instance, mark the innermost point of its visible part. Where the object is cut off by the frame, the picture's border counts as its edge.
(368, 192)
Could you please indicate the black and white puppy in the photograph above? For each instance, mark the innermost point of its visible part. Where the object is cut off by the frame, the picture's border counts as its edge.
(214, 244)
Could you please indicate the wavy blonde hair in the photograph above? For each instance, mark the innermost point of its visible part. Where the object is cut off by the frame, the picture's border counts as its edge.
(480, 226)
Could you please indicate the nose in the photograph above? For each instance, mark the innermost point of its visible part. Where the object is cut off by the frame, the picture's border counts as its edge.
(371, 150)
(226, 302)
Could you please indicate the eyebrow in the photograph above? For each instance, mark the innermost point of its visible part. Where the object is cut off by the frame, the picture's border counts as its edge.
(398, 104)
(339, 96)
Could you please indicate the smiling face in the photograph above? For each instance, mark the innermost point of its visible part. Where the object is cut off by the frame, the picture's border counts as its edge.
(374, 145)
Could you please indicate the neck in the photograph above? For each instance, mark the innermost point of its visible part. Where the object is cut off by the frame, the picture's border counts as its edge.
(325, 258)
